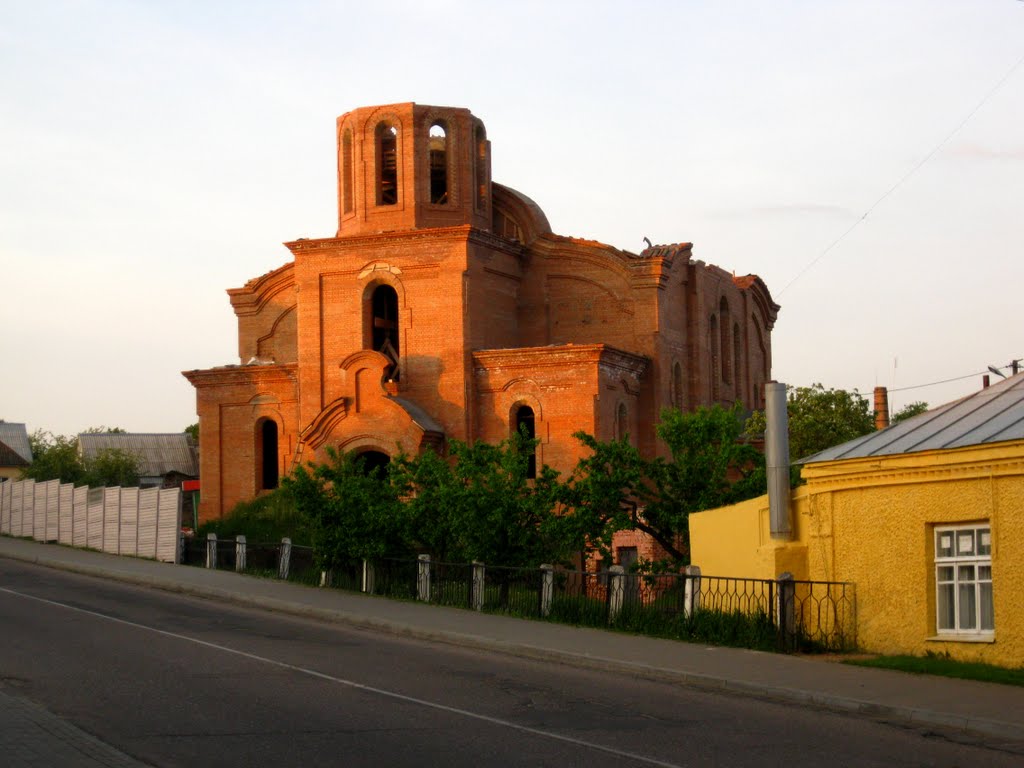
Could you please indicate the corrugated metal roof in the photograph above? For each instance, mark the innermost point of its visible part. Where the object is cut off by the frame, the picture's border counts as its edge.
(991, 415)
(15, 437)
(159, 453)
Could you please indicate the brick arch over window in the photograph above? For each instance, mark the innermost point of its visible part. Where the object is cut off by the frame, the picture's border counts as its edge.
(439, 143)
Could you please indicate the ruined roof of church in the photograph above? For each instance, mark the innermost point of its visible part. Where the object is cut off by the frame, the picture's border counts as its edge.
(992, 415)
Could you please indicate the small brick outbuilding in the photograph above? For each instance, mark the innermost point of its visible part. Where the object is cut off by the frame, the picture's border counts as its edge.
(445, 307)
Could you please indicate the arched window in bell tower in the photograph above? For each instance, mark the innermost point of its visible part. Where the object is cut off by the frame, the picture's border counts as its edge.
(387, 164)
(438, 142)
(384, 325)
(525, 425)
(480, 165)
(347, 172)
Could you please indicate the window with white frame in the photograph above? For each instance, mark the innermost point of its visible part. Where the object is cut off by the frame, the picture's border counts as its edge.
(963, 580)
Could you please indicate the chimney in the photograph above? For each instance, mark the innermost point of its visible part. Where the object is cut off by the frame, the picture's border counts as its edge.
(776, 455)
(881, 408)
(984, 381)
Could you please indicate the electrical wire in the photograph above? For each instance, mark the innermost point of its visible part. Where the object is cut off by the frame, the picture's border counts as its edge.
(992, 91)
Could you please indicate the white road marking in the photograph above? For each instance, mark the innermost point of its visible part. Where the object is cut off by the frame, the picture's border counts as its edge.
(358, 686)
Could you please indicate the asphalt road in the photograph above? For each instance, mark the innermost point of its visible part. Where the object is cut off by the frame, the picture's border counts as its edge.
(180, 681)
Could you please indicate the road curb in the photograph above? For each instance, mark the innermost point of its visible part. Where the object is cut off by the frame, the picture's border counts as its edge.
(712, 683)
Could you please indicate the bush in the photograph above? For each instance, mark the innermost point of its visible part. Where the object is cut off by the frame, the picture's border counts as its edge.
(265, 519)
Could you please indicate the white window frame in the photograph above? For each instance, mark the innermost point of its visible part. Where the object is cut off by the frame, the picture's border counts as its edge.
(963, 577)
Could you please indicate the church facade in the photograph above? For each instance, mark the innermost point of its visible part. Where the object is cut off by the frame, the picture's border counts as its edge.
(445, 307)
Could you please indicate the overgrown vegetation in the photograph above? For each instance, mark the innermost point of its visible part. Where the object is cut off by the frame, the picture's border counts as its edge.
(481, 503)
(266, 519)
(941, 664)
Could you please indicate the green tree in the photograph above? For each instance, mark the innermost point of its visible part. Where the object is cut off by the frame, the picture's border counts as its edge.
(911, 409)
(614, 488)
(54, 457)
(354, 514)
(820, 418)
(193, 429)
(711, 465)
(113, 467)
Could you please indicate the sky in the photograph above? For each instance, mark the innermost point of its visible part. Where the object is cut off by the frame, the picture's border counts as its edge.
(865, 158)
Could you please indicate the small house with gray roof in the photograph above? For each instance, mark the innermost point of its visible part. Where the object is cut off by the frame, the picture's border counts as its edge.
(165, 460)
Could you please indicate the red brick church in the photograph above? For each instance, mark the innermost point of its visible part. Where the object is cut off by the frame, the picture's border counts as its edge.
(445, 307)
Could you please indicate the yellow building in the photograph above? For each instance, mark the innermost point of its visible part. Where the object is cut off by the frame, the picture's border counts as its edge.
(925, 517)
(15, 450)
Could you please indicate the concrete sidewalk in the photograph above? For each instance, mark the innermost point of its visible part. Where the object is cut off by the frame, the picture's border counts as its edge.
(997, 711)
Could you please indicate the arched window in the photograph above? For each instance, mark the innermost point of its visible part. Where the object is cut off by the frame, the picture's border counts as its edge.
(737, 358)
(621, 422)
(676, 387)
(384, 325)
(347, 170)
(438, 164)
(715, 372)
(374, 462)
(480, 159)
(266, 451)
(724, 327)
(387, 164)
(525, 426)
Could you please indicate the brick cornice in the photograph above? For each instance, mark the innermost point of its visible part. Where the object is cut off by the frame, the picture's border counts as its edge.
(254, 295)
(230, 375)
(461, 233)
(560, 356)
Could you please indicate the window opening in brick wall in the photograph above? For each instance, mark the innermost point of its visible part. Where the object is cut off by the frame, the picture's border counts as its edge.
(347, 170)
(676, 387)
(963, 580)
(374, 462)
(621, 422)
(737, 357)
(387, 164)
(525, 424)
(267, 451)
(715, 370)
(724, 345)
(480, 166)
(438, 141)
(384, 318)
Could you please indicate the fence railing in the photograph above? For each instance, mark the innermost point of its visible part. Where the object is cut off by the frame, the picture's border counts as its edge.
(121, 521)
(771, 614)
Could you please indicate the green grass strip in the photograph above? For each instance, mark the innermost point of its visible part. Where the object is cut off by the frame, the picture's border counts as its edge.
(942, 665)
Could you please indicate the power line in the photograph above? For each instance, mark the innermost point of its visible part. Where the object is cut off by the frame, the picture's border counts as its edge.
(907, 175)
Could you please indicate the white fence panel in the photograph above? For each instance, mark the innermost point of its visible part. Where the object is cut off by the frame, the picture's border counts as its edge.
(28, 497)
(111, 515)
(94, 532)
(168, 524)
(129, 535)
(39, 511)
(65, 514)
(80, 518)
(17, 507)
(149, 500)
(6, 502)
(52, 529)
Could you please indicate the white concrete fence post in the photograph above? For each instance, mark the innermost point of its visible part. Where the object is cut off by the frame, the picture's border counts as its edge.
(616, 591)
(691, 590)
(476, 597)
(211, 550)
(369, 577)
(423, 578)
(327, 578)
(239, 553)
(284, 563)
(547, 588)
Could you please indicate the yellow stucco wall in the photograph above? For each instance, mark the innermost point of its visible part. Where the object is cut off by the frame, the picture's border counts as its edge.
(871, 521)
